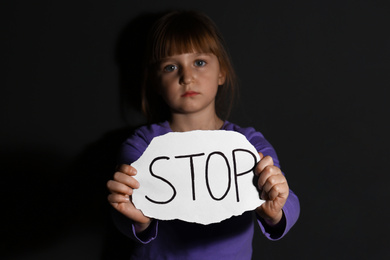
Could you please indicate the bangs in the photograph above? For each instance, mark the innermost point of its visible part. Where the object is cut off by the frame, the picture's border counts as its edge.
(183, 35)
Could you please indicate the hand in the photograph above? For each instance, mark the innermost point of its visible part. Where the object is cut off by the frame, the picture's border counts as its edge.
(273, 189)
(121, 188)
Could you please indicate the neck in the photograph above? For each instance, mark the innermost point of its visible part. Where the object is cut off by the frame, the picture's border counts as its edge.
(188, 122)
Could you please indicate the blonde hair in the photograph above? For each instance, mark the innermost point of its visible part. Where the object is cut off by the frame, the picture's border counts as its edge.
(184, 32)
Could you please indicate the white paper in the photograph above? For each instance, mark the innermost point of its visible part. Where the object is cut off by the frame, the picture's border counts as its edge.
(197, 176)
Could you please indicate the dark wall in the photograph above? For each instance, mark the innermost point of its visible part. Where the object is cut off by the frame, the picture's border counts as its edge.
(314, 81)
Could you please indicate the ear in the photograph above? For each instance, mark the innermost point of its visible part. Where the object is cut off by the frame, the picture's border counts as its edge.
(221, 77)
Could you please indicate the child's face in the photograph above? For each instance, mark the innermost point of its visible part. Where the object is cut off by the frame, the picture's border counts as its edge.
(189, 82)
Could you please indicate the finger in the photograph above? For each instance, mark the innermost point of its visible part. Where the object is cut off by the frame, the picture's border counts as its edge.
(273, 193)
(266, 173)
(282, 192)
(126, 207)
(127, 169)
(277, 191)
(117, 187)
(264, 162)
(272, 181)
(261, 155)
(126, 179)
(118, 198)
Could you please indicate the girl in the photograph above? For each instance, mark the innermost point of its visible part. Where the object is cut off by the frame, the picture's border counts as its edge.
(189, 84)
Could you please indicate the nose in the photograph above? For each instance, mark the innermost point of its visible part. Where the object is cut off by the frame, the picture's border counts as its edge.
(186, 75)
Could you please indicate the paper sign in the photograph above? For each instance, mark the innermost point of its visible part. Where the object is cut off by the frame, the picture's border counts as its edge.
(197, 176)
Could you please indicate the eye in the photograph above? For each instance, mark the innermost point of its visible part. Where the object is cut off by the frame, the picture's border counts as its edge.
(199, 63)
(169, 68)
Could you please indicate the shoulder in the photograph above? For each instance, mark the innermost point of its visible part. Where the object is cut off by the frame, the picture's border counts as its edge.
(137, 143)
(256, 138)
(247, 131)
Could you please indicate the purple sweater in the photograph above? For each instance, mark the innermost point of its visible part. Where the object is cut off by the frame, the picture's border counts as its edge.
(175, 239)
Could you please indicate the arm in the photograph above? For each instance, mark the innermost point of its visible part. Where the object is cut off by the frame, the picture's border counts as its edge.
(121, 188)
(129, 220)
(291, 208)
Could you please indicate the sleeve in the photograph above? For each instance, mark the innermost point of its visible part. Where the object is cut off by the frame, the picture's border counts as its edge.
(131, 150)
(291, 209)
(126, 227)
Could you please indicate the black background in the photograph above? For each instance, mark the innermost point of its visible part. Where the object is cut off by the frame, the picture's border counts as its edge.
(314, 81)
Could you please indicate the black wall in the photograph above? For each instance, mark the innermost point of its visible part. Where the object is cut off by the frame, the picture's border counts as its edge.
(314, 81)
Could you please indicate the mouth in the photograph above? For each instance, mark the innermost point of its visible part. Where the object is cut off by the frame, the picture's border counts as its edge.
(190, 94)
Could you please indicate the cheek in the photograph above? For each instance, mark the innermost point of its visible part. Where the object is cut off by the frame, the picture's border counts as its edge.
(167, 89)
(168, 80)
(213, 81)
